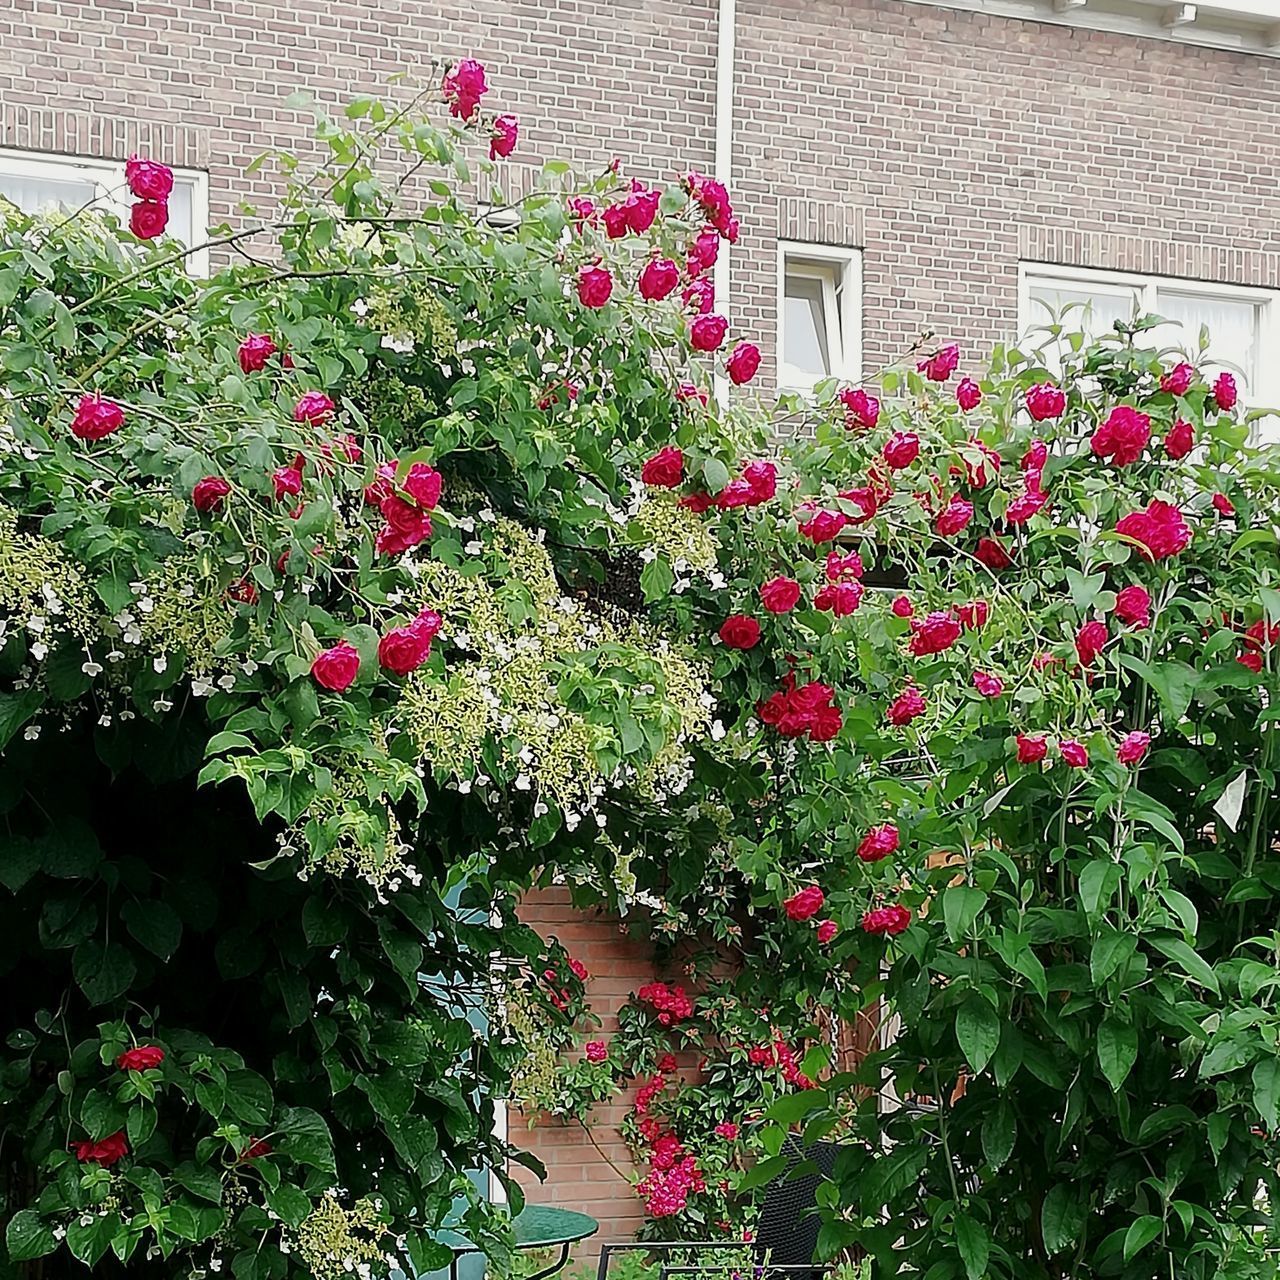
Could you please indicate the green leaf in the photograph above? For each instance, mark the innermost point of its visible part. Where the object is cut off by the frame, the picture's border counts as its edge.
(290, 1203)
(716, 474)
(960, 906)
(155, 925)
(1191, 962)
(974, 1246)
(1062, 1217)
(27, 1237)
(977, 1032)
(89, 1241)
(1117, 1050)
(15, 710)
(103, 971)
(1142, 1231)
(1174, 682)
(1098, 881)
(1266, 1089)
(656, 580)
(999, 1130)
(306, 1138)
(200, 1180)
(1110, 951)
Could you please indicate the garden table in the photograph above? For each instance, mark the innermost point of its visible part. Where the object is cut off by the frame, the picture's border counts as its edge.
(536, 1226)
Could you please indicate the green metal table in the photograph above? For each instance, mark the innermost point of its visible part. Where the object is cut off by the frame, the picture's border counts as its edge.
(536, 1227)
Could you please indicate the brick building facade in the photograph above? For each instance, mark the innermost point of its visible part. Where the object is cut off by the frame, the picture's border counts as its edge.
(899, 167)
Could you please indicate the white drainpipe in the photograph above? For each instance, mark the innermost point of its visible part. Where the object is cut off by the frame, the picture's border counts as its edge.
(726, 31)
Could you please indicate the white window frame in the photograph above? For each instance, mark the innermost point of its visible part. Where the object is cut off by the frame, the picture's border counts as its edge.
(825, 262)
(1264, 380)
(108, 179)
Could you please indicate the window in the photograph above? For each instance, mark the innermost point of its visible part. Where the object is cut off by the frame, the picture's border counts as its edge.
(36, 181)
(1242, 324)
(819, 315)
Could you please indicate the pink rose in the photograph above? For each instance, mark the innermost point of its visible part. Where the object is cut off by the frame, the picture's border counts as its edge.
(861, 410)
(827, 929)
(805, 904)
(1090, 640)
(1045, 401)
(255, 350)
(905, 707)
(839, 598)
(968, 394)
(708, 331)
(941, 365)
(1123, 436)
(1032, 747)
(404, 649)
(901, 449)
(207, 493)
(464, 86)
(953, 518)
(665, 469)
(935, 634)
(144, 1058)
(96, 418)
(988, 685)
(740, 632)
(742, 363)
(658, 279)
(287, 481)
(1178, 380)
(336, 668)
(728, 1130)
(780, 595)
(423, 484)
(1223, 505)
(597, 1051)
(1133, 605)
(1179, 439)
(763, 479)
(878, 843)
(1133, 747)
(506, 131)
(148, 219)
(148, 179)
(902, 607)
(313, 407)
(1160, 530)
(1224, 392)
(887, 921)
(595, 285)
(1073, 753)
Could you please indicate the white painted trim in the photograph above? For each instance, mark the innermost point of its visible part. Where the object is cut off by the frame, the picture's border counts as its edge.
(108, 178)
(1239, 26)
(726, 51)
(809, 260)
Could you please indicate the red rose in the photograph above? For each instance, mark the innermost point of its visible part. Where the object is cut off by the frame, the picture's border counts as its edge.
(1045, 401)
(595, 285)
(687, 391)
(842, 567)
(740, 632)
(1073, 753)
(1133, 605)
(665, 469)
(699, 296)
(953, 518)
(383, 485)
(148, 179)
(207, 493)
(1251, 660)
(257, 1148)
(821, 525)
(313, 407)
(667, 1064)
(707, 332)
(641, 207)
(1032, 747)
(887, 921)
(1178, 380)
(1179, 439)
(805, 904)
(742, 363)
(861, 410)
(1224, 391)
(988, 685)
(1090, 640)
(1123, 436)
(991, 553)
(506, 131)
(737, 493)
(404, 649)
(728, 1130)
(1160, 530)
(336, 668)
(763, 479)
(827, 929)
(973, 616)
(902, 607)
(423, 485)
(148, 219)
(901, 449)
(905, 707)
(937, 633)
(760, 1055)
(968, 394)
(698, 503)
(659, 279)
(143, 1058)
(878, 843)
(1223, 505)
(242, 591)
(941, 365)
(984, 469)
(96, 418)
(407, 525)
(780, 595)
(579, 970)
(254, 351)
(1023, 507)
(839, 598)
(463, 87)
(703, 252)
(287, 481)
(616, 224)
(1133, 747)
(597, 1051)
(105, 1153)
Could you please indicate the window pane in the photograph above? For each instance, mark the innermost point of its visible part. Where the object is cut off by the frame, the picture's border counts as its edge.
(181, 213)
(1093, 310)
(33, 195)
(806, 350)
(1232, 325)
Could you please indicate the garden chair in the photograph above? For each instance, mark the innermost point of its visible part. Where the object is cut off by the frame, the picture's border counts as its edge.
(786, 1235)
